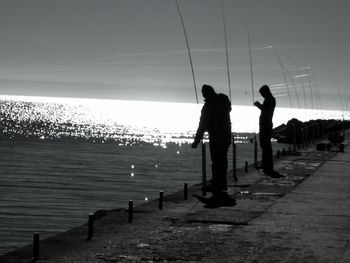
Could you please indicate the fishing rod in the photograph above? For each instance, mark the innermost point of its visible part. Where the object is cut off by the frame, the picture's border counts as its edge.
(310, 85)
(318, 94)
(301, 80)
(188, 49)
(284, 75)
(251, 66)
(204, 171)
(253, 98)
(284, 72)
(301, 76)
(294, 86)
(340, 98)
(226, 48)
(234, 150)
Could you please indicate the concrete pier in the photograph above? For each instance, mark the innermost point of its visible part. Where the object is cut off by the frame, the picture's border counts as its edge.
(303, 217)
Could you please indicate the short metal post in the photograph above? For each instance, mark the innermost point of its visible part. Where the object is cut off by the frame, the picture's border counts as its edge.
(185, 191)
(204, 170)
(294, 138)
(90, 227)
(234, 159)
(36, 238)
(255, 152)
(302, 138)
(161, 195)
(246, 167)
(131, 211)
(323, 130)
(283, 151)
(278, 154)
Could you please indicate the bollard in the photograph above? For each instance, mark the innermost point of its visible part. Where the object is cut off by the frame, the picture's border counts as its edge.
(35, 257)
(161, 195)
(90, 227)
(255, 152)
(185, 191)
(234, 159)
(131, 211)
(306, 136)
(278, 154)
(294, 138)
(246, 167)
(204, 170)
(302, 138)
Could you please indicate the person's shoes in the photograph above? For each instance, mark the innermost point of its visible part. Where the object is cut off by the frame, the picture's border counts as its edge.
(208, 188)
(268, 172)
(272, 173)
(219, 200)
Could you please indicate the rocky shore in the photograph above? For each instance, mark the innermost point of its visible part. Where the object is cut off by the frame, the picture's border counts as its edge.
(298, 132)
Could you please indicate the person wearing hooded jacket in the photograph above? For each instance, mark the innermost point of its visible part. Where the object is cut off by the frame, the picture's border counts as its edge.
(267, 109)
(215, 119)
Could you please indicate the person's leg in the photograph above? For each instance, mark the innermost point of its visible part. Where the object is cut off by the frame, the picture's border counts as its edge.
(269, 154)
(266, 147)
(262, 138)
(218, 152)
(218, 186)
(221, 176)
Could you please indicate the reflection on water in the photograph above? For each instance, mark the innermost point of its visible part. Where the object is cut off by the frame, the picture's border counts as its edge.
(63, 159)
(97, 120)
(127, 122)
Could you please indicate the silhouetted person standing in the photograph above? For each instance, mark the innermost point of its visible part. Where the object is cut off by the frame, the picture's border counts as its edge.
(215, 119)
(265, 130)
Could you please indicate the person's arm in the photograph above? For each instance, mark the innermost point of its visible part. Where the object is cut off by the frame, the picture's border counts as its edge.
(202, 127)
(258, 104)
(197, 139)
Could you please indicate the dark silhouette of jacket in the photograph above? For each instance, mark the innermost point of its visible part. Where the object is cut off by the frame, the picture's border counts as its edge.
(265, 126)
(215, 119)
(267, 110)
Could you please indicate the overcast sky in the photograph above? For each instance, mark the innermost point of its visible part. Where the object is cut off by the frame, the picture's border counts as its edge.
(136, 50)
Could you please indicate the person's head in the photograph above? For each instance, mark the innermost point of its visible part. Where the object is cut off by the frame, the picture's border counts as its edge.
(208, 91)
(265, 91)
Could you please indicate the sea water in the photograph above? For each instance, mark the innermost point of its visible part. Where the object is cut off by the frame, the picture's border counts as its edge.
(61, 160)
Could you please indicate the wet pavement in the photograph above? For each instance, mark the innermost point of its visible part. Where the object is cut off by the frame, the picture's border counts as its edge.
(302, 217)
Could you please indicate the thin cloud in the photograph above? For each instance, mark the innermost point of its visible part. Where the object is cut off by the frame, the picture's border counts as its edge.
(171, 52)
(302, 76)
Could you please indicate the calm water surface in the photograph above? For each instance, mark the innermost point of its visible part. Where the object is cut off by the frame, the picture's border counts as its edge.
(60, 161)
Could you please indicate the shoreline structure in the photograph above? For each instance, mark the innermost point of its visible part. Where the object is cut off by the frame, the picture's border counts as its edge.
(304, 216)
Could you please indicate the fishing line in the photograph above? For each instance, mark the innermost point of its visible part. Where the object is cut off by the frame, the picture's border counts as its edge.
(188, 49)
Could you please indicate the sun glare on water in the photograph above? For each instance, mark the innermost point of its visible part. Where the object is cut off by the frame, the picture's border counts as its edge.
(144, 117)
